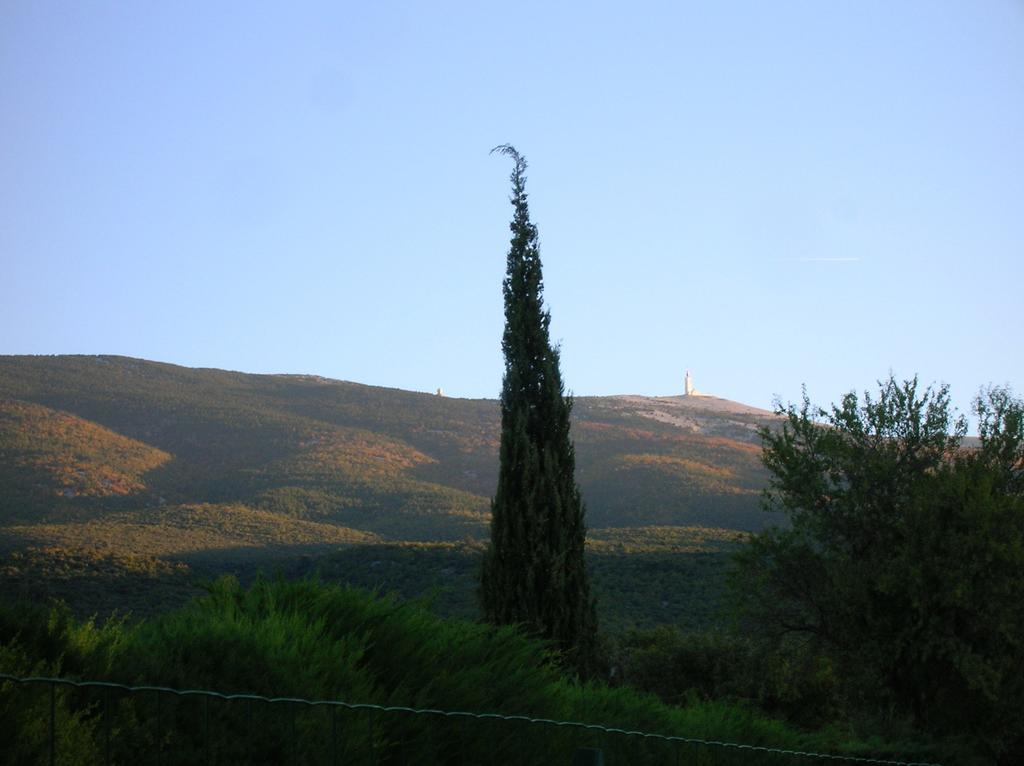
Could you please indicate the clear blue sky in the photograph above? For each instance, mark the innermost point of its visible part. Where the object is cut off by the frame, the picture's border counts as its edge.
(768, 194)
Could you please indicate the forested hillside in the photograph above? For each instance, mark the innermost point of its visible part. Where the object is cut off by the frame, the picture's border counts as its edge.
(107, 460)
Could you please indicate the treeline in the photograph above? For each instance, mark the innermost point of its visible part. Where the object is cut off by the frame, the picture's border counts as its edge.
(642, 577)
(896, 592)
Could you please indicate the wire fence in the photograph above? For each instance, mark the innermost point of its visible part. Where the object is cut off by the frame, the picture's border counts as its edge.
(62, 721)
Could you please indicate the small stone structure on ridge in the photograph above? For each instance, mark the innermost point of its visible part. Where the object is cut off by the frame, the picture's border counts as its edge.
(688, 389)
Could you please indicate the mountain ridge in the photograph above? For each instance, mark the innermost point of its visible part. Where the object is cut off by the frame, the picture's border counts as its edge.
(214, 468)
(308, 431)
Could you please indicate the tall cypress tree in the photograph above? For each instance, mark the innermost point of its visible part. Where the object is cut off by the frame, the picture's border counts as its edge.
(533, 571)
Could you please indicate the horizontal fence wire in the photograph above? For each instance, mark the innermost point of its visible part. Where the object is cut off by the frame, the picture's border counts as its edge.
(391, 709)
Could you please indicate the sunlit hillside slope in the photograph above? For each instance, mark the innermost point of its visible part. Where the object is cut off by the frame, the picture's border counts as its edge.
(117, 457)
(96, 434)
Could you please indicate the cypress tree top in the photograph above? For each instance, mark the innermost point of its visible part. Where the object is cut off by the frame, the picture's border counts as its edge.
(534, 572)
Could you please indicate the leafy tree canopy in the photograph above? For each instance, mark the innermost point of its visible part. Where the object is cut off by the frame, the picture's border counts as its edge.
(904, 556)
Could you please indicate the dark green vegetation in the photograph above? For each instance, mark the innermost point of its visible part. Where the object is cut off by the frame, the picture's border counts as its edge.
(534, 573)
(902, 571)
(123, 480)
(300, 638)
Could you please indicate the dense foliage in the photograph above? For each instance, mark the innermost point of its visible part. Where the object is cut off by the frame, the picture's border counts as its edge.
(534, 571)
(301, 470)
(301, 638)
(903, 564)
(640, 577)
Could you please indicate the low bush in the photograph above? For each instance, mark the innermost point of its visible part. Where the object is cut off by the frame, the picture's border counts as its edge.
(305, 639)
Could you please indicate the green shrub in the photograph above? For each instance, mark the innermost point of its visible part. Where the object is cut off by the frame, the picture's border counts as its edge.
(305, 639)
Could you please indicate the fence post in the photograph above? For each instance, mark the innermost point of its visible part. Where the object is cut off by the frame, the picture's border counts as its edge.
(206, 727)
(373, 750)
(156, 735)
(53, 724)
(250, 734)
(106, 724)
(588, 756)
(333, 710)
(293, 749)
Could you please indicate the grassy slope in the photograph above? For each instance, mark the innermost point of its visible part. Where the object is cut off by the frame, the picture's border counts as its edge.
(48, 456)
(110, 459)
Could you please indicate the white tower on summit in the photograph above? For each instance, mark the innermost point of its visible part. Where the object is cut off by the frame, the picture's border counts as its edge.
(688, 390)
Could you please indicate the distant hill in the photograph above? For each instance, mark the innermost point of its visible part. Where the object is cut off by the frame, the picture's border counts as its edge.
(125, 457)
(85, 436)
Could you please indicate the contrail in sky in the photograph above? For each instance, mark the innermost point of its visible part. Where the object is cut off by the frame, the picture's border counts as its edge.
(823, 260)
